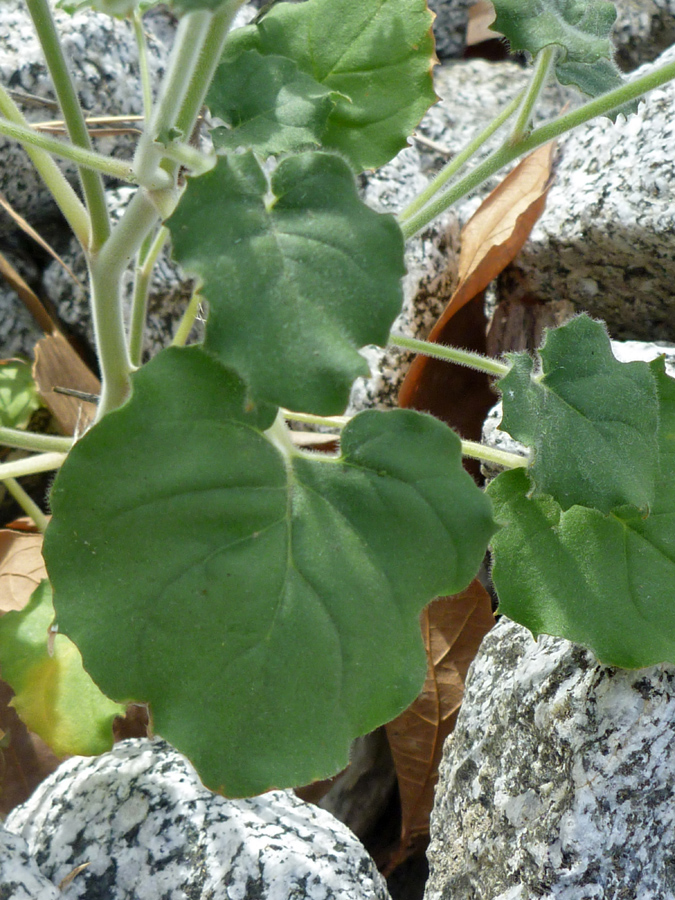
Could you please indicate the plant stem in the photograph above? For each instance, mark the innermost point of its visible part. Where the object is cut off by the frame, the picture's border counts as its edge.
(65, 197)
(141, 43)
(542, 135)
(542, 68)
(106, 270)
(280, 436)
(493, 455)
(187, 321)
(92, 185)
(197, 162)
(43, 462)
(447, 173)
(190, 36)
(309, 419)
(30, 440)
(139, 305)
(27, 504)
(118, 168)
(451, 354)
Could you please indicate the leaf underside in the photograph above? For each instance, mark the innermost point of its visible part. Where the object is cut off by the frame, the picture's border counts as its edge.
(604, 581)
(295, 286)
(267, 609)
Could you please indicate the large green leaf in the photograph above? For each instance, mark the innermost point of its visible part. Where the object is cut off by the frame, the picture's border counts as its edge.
(378, 54)
(54, 696)
(269, 105)
(295, 285)
(18, 395)
(580, 28)
(605, 581)
(266, 605)
(590, 420)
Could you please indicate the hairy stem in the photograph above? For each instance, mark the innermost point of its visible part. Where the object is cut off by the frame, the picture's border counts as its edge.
(92, 185)
(139, 305)
(30, 440)
(141, 43)
(542, 69)
(44, 462)
(493, 455)
(187, 321)
(27, 504)
(451, 354)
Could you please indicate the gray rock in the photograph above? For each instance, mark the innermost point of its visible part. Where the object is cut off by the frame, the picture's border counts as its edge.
(148, 829)
(606, 239)
(643, 30)
(20, 878)
(558, 780)
(450, 24)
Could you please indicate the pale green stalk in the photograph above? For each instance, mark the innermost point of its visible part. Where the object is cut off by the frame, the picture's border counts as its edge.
(139, 305)
(187, 321)
(73, 116)
(542, 135)
(194, 160)
(65, 197)
(493, 455)
(451, 354)
(542, 68)
(27, 504)
(143, 68)
(30, 440)
(44, 462)
(309, 419)
(458, 161)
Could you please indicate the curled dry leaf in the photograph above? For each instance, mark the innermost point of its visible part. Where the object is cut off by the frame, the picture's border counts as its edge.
(453, 628)
(58, 365)
(21, 568)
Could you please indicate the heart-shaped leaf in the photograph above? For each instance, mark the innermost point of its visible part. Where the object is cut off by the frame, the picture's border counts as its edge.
(590, 420)
(297, 284)
(603, 580)
(268, 104)
(265, 604)
(376, 54)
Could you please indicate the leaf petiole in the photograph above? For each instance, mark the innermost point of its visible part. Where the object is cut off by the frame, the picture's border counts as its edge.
(451, 354)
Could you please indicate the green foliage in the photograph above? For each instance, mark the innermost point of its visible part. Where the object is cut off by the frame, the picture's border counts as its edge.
(18, 396)
(602, 580)
(277, 593)
(54, 696)
(297, 284)
(376, 55)
(590, 420)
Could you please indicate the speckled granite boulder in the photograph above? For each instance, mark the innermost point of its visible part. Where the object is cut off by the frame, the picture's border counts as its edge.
(606, 241)
(559, 779)
(20, 878)
(148, 829)
(643, 30)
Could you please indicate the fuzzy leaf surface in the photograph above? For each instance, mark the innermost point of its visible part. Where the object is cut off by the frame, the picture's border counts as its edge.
(377, 54)
(265, 606)
(580, 28)
(269, 104)
(604, 581)
(590, 420)
(18, 394)
(54, 696)
(295, 286)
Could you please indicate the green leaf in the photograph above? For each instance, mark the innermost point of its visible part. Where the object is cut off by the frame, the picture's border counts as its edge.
(580, 28)
(377, 54)
(295, 285)
(54, 696)
(605, 581)
(590, 420)
(265, 604)
(269, 104)
(18, 395)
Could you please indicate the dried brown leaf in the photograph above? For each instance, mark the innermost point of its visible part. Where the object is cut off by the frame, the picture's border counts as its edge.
(58, 365)
(27, 295)
(453, 628)
(21, 568)
(481, 16)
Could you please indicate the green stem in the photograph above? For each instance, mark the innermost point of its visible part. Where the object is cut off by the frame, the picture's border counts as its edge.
(493, 455)
(118, 168)
(190, 36)
(92, 185)
(44, 462)
(309, 419)
(194, 160)
(451, 354)
(141, 43)
(449, 171)
(106, 270)
(139, 305)
(30, 440)
(27, 504)
(187, 321)
(507, 153)
(542, 68)
(280, 436)
(65, 197)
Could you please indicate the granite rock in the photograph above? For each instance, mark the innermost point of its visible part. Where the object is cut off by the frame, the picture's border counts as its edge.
(146, 826)
(20, 878)
(643, 30)
(606, 240)
(558, 780)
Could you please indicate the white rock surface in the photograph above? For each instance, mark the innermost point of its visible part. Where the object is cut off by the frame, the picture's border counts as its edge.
(20, 878)
(558, 781)
(142, 820)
